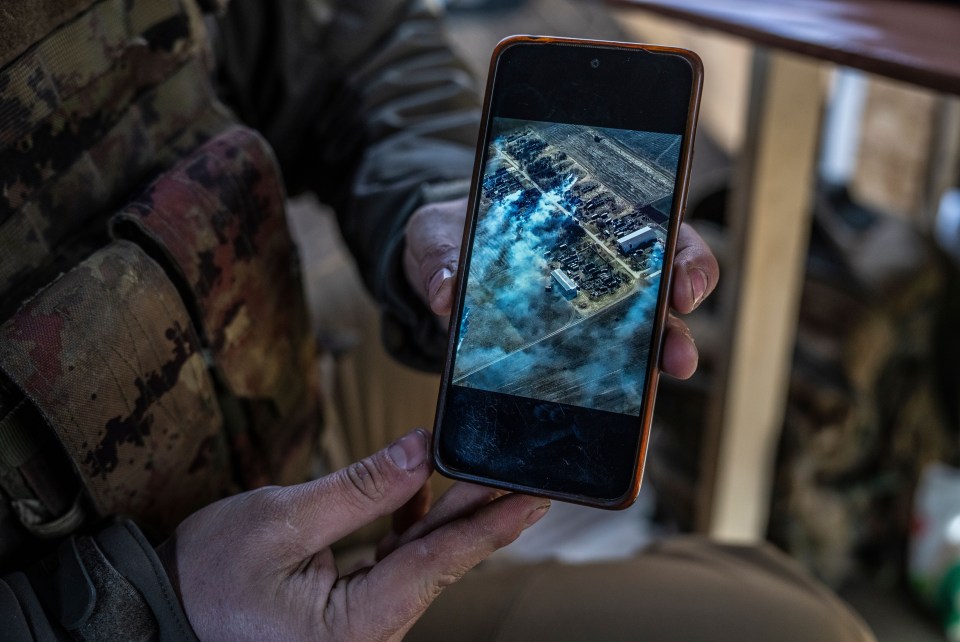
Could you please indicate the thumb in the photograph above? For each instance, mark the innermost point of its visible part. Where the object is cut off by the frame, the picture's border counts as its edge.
(432, 271)
(327, 509)
(441, 286)
(432, 251)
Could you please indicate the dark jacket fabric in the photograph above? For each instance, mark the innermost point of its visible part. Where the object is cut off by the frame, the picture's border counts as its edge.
(133, 204)
(365, 104)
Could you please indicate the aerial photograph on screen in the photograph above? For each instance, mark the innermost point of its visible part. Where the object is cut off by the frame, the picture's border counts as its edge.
(566, 263)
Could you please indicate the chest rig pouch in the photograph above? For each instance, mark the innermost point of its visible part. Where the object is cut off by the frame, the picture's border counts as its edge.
(155, 350)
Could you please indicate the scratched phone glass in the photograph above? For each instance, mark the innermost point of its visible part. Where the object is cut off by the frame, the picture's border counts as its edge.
(565, 268)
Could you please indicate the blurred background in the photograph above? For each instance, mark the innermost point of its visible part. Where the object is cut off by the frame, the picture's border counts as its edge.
(857, 476)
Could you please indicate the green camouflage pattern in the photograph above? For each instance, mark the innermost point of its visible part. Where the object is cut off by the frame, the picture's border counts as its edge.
(111, 359)
(159, 331)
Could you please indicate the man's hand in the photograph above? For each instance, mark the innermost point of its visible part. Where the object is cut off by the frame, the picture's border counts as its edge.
(432, 252)
(259, 566)
(695, 275)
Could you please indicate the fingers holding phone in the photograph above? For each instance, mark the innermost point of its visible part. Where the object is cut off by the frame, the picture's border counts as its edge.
(696, 271)
(695, 276)
(432, 251)
(258, 565)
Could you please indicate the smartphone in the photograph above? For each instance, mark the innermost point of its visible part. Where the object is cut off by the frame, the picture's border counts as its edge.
(579, 185)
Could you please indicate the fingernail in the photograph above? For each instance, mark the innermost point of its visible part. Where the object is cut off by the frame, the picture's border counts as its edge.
(537, 514)
(437, 281)
(410, 451)
(698, 282)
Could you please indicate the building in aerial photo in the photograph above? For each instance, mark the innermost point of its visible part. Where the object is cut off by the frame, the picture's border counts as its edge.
(638, 238)
(565, 284)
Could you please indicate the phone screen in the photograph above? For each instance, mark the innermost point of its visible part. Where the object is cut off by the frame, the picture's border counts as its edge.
(554, 336)
(566, 263)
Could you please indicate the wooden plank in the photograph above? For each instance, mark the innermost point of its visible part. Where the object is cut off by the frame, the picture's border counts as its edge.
(912, 41)
(770, 222)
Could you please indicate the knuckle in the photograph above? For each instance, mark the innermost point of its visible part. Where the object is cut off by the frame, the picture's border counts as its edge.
(365, 480)
(686, 260)
(431, 585)
(431, 589)
(478, 539)
(443, 254)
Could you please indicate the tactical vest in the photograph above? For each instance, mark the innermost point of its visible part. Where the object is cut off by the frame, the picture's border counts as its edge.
(155, 348)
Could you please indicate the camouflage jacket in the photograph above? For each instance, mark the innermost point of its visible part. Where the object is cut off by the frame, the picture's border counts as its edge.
(155, 350)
